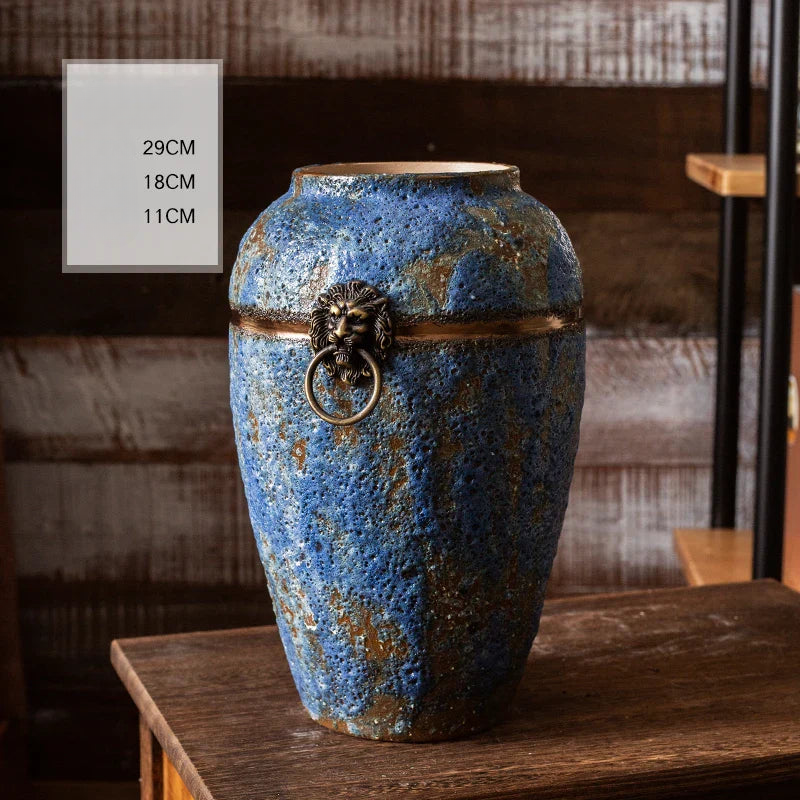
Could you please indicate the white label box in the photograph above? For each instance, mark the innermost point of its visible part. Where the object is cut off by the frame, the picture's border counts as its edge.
(142, 166)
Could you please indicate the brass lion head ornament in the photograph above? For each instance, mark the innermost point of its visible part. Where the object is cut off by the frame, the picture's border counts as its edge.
(351, 332)
(350, 316)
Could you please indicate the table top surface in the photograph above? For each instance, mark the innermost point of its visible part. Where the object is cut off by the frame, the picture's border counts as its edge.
(645, 694)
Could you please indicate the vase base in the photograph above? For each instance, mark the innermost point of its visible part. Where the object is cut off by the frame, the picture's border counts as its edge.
(389, 721)
(411, 737)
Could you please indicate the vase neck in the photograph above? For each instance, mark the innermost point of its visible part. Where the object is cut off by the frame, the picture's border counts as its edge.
(363, 178)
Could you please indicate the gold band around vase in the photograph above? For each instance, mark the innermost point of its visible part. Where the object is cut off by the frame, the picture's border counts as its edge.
(308, 386)
(428, 330)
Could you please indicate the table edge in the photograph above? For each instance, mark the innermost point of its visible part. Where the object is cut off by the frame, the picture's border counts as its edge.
(157, 724)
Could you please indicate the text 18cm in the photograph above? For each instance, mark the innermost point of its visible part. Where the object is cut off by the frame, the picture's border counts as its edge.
(171, 181)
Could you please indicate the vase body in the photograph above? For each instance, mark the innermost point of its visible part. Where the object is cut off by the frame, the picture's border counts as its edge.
(407, 555)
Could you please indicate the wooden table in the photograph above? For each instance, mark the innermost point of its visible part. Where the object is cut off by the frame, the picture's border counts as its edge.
(670, 693)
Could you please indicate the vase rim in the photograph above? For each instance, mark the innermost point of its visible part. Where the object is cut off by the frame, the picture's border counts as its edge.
(428, 169)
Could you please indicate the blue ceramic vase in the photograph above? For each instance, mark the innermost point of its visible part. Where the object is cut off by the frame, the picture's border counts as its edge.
(407, 374)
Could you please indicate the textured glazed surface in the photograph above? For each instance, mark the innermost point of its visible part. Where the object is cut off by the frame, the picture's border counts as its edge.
(407, 556)
(465, 247)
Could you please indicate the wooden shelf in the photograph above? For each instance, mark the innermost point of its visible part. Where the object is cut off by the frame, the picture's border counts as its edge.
(714, 555)
(729, 176)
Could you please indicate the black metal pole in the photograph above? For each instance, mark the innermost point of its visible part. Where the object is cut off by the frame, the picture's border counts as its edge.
(732, 265)
(776, 316)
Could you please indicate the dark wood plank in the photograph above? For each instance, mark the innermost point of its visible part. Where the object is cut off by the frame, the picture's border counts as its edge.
(652, 274)
(671, 693)
(13, 707)
(12, 683)
(579, 148)
(603, 41)
(37, 299)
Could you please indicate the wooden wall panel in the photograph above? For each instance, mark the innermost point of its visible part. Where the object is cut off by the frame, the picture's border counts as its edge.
(161, 523)
(652, 274)
(649, 402)
(13, 757)
(618, 529)
(116, 399)
(12, 684)
(608, 42)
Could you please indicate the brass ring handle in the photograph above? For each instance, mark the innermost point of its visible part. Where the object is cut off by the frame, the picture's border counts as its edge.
(377, 378)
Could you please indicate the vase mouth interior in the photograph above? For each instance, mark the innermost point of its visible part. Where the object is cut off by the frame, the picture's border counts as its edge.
(427, 168)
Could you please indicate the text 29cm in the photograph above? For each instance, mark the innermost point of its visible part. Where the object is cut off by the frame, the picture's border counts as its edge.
(168, 147)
